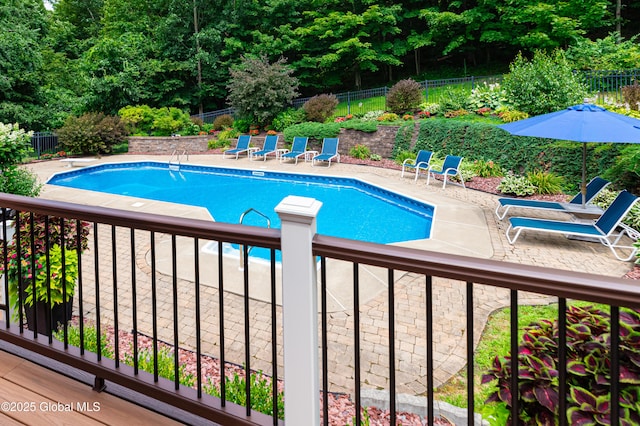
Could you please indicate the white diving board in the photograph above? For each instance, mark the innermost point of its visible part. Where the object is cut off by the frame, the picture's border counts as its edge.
(77, 161)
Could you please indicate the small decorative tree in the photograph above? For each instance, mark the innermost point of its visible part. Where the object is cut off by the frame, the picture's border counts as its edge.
(404, 96)
(320, 107)
(260, 90)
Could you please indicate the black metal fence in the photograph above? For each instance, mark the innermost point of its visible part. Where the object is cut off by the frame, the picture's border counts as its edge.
(363, 101)
(607, 85)
(44, 143)
(604, 85)
(134, 276)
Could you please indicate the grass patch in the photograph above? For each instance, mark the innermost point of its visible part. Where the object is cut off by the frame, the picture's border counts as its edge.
(495, 340)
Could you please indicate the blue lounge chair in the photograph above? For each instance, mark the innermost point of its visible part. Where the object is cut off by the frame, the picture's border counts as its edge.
(594, 187)
(450, 167)
(329, 151)
(421, 162)
(602, 230)
(298, 149)
(242, 146)
(270, 147)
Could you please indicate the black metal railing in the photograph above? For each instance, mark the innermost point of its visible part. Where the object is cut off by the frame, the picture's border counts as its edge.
(146, 273)
(44, 142)
(604, 85)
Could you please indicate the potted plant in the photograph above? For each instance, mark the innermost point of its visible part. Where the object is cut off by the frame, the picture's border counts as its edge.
(43, 283)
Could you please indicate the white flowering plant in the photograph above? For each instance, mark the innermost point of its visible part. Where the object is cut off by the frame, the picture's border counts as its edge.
(15, 145)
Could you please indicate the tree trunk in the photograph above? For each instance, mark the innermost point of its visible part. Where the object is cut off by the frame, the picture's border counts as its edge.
(619, 19)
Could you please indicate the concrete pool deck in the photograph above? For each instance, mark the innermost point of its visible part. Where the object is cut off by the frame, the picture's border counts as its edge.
(464, 224)
(458, 227)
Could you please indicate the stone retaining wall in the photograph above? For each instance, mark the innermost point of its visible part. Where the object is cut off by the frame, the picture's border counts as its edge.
(380, 142)
(166, 145)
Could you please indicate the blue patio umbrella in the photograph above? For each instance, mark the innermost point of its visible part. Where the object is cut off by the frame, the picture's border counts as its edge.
(580, 123)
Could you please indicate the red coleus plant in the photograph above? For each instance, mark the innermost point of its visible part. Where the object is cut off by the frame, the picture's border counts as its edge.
(35, 256)
(57, 234)
(588, 370)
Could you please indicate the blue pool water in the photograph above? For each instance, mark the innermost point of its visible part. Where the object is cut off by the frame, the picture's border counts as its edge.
(350, 208)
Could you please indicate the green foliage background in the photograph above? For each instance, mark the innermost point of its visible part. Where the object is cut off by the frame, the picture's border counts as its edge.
(102, 55)
(482, 141)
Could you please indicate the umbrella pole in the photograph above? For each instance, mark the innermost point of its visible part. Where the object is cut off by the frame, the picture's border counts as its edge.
(583, 190)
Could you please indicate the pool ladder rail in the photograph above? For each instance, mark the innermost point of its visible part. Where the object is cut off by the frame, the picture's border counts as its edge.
(175, 165)
(242, 216)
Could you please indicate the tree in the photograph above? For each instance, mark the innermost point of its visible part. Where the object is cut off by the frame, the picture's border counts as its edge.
(260, 90)
(347, 41)
(21, 66)
(608, 53)
(546, 83)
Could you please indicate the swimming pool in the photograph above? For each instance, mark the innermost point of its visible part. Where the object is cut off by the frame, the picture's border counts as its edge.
(350, 208)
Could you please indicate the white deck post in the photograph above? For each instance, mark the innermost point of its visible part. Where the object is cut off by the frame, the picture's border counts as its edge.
(300, 310)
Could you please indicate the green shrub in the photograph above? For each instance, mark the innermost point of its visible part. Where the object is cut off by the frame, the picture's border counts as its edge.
(453, 99)
(517, 185)
(138, 119)
(144, 120)
(259, 90)
(320, 107)
(545, 182)
(15, 143)
(223, 121)
(483, 168)
(312, 130)
(91, 133)
(360, 125)
(169, 121)
(487, 96)
(287, 118)
(20, 181)
(121, 148)
(403, 138)
(466, 170)
(546, 83)
(261, 393)
(90, 339)
(625, 170)
(508, 115)
(404, 96)
(388, 117)
(224, 138)
(166, 365)
(242, 125)
(361, 152)
(588, 370)
(404, 155)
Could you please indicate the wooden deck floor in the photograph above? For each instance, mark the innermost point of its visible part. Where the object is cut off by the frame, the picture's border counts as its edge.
(34, 395)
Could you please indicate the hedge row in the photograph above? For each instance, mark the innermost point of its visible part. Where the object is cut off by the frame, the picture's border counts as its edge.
(519, 154)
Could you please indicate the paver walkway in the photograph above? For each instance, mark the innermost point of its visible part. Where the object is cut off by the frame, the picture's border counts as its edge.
(464, 224)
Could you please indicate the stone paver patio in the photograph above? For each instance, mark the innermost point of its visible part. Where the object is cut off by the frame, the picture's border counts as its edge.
(464, 224)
